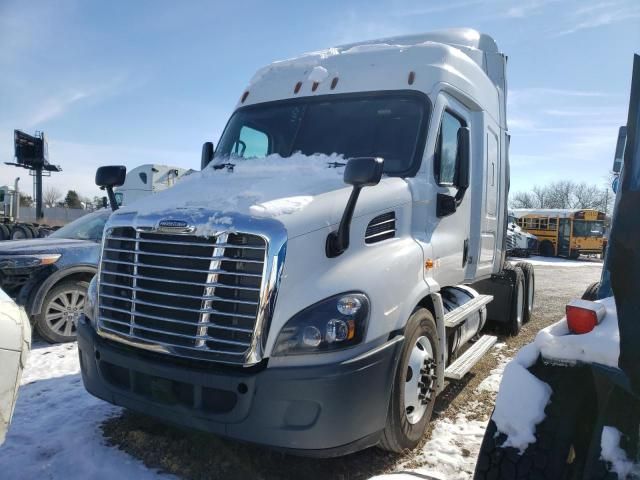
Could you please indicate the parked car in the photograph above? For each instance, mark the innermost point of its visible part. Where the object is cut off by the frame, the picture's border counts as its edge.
(15, 343)
(49, 276)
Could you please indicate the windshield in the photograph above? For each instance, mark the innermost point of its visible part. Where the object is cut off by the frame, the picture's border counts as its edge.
(391, 126)
(584, 228)
(88, 227)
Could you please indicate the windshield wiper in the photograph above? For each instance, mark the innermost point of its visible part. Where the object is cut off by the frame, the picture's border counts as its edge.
(220, 166)
(335, 164)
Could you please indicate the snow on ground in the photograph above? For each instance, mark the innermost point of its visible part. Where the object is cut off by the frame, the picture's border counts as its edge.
(55, 431)
(612, 452)
(557, 261)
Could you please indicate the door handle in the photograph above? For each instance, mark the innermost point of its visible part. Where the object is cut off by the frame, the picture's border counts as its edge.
(465, 252)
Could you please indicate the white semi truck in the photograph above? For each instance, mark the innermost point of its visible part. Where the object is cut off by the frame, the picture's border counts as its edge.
(147, 179)
(334, 262)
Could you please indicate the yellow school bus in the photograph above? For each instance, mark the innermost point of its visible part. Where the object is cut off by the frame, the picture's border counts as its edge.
(563, 232)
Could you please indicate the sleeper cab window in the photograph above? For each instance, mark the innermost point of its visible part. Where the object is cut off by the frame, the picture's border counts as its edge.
(447, 149)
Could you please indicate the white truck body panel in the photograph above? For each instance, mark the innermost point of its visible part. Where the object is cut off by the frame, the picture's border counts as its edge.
(15, 343)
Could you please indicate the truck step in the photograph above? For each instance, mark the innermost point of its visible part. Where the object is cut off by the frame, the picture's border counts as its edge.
(468, 359)
(457, 315)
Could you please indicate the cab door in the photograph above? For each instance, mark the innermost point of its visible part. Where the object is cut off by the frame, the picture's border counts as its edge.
(452, 216)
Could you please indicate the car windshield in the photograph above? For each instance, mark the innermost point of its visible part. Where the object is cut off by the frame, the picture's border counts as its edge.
(391, 126)
(87, 227)
(584, 228)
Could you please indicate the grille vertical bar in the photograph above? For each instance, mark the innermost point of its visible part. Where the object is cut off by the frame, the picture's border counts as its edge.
(184, 295)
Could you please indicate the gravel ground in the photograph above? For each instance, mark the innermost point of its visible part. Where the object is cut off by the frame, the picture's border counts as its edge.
(192, 455)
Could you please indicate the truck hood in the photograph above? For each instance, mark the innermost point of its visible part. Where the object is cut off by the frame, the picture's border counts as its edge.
(43, 245)
(301, 192)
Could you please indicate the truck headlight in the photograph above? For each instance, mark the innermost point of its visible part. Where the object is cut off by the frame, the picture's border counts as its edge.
(91, 302)
(334, 323)
(28, 261)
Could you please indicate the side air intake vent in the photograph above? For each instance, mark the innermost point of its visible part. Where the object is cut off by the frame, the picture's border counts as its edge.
(381, 228)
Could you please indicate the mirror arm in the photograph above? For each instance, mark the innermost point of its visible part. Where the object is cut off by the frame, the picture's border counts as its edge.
(112, 198)
(338, 241)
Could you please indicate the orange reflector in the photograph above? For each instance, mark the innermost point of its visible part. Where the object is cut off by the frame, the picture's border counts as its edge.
(352, 329)
(583, 315)
(428, 264)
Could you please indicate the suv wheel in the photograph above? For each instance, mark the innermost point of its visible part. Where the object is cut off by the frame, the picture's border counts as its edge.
(61, 309)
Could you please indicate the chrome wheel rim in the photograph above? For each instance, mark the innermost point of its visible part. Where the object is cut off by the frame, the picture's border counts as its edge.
(63, 312)
(419, 380)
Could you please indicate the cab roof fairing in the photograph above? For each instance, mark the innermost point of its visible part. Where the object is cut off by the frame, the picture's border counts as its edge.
(376, 67)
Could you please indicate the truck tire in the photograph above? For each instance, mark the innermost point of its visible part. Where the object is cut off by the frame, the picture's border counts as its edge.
(565, 430)
(546, 249)
(413, 392)
(574, 254)
(517, 307)
(21, 232)
(529, 288)
(5, 233)
(591, 293)
(57, 320)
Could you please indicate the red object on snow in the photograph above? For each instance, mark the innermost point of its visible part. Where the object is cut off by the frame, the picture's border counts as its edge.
(583, 315)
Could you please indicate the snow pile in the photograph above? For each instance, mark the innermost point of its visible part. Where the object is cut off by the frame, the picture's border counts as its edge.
(612, 452)
(55, 431)
(601, 345)
(492, 382)
(521, 401)
(454, 447)
(272, 186)
(522, 397)
(318, 74)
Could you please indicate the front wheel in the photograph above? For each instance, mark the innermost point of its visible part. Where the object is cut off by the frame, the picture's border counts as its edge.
(61, 309)
(414, 389)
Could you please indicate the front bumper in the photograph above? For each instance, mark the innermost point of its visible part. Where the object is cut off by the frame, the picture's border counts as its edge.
(327, 410)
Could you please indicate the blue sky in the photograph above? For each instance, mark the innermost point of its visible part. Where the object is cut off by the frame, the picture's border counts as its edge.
(148, 81)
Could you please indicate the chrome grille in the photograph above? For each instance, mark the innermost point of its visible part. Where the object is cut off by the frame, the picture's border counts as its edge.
(189, 296)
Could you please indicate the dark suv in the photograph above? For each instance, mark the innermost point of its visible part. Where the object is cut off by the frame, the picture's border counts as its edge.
(49, 276)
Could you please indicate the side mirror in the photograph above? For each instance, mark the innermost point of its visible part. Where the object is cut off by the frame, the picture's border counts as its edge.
(445, 205)
(363, 171)
(109, 177)
(359, 172)
(207, 154)
(463, 160)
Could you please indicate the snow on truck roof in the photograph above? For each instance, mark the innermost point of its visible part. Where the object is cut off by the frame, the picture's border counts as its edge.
(463, 58)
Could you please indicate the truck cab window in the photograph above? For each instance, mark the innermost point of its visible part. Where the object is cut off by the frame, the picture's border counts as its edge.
(251, 143)
(447, 149)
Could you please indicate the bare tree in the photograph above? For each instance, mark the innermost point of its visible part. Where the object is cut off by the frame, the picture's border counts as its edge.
(523, 200)
(51, 197)
(540, 195)
(562, 194)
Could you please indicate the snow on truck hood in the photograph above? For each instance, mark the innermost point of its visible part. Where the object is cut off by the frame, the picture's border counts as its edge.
(291, 190)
